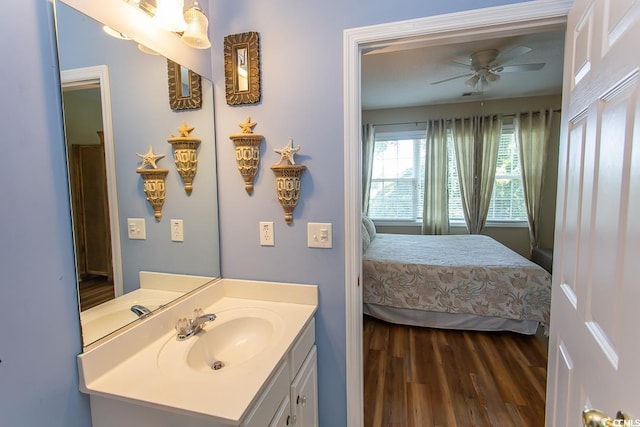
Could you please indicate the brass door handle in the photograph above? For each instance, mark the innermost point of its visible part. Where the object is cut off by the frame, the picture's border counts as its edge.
(596, 418)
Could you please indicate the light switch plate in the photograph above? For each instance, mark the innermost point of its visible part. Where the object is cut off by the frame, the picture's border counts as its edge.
(136, 229)
(319, 235)
(177, 230)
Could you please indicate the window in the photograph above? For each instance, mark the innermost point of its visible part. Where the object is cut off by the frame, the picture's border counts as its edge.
(397, 177)
(507, 198)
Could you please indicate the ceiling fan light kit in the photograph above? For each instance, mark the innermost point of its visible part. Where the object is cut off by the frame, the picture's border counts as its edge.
(487, 65)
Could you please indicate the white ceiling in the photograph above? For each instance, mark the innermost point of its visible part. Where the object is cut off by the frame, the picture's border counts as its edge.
(401, 75)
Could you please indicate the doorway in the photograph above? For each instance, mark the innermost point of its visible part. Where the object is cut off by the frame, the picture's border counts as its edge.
(494, 22)
(90, 151)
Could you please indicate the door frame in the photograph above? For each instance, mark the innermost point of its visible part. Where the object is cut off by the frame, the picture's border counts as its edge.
(502, 21)
(92, 77)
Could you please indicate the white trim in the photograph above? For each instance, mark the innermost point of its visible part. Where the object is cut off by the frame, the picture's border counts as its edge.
(501, 21)
(91, 76)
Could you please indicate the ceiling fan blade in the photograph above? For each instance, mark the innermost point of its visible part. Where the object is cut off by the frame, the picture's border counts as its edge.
(512, 53)
(453, 78)
(461, 64)
(518, 68)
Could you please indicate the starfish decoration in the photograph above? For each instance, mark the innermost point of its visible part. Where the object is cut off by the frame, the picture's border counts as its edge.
(247, 125)
(149, 159)
(185, 130)
(288, 152)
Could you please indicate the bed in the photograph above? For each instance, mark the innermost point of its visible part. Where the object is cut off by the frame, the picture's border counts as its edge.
(453, 282)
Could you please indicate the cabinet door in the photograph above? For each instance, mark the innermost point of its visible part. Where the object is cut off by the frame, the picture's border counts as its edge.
(304, 389)
(282, 418)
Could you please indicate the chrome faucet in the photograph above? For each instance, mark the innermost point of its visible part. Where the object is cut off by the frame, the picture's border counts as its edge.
(189, 327)
(140, 310)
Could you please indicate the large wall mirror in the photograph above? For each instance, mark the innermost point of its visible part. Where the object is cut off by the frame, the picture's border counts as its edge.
(116, 105)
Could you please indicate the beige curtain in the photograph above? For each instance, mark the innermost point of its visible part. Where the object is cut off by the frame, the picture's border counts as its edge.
(435, 211)
(368, 142)
(532, 134)
(476, 141)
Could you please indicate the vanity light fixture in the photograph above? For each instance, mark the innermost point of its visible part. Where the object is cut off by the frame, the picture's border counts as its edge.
(191, 25)
(197, 26)
(169, 15)
(114, 33)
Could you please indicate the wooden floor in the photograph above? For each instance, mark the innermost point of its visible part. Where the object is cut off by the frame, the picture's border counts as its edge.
(95, 290)
(428, 377)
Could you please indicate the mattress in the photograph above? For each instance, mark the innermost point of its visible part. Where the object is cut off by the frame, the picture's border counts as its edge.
(465, 274)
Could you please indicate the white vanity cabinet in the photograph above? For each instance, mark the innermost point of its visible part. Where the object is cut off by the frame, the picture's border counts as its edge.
(144, 377)
(298, 403)
(304, 393)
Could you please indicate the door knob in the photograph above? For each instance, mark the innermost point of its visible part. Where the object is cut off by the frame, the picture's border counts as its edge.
(596, 418)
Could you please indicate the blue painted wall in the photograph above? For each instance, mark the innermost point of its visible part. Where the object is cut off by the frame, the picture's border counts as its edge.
(302, 99)
(39, 327)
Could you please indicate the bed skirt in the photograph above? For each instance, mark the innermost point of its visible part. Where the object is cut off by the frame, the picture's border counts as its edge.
(461, 321)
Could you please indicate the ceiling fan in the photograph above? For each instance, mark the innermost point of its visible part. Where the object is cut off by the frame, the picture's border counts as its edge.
(487, 65)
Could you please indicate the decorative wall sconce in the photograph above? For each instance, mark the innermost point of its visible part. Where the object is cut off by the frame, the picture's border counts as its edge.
(153, 181)
(288, 179)
(247, 152)
(185, 155)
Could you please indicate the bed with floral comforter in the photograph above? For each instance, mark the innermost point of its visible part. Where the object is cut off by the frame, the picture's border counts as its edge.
(455, 274)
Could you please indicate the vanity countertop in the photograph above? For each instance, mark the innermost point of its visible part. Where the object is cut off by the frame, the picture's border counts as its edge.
(129, 366)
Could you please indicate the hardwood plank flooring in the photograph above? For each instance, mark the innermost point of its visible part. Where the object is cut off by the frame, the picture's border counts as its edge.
(95, 290)
(442, 378)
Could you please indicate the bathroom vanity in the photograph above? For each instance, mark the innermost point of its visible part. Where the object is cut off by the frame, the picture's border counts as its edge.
(254, 365)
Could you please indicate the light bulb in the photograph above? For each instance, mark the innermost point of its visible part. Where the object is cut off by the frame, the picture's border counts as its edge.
(169, 15)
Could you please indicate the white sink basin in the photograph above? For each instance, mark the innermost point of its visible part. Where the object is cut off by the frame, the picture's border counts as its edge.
(229, 344)
(235, 337)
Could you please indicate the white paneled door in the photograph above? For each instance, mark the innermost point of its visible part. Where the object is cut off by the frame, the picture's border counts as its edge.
(594, 348)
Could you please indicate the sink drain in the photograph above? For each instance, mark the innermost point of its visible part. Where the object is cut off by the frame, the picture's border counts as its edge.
(217, 365)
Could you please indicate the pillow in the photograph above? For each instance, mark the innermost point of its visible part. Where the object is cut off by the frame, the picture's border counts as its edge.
(370, 226)
(366, 240)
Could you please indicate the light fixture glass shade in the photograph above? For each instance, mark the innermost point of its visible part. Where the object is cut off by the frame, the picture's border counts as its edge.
(492, 77)
(472, 81)
(197, 26)
(146, 50)
(114, 33)
(169, 15)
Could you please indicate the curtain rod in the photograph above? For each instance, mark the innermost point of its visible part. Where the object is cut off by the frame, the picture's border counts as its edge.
(427, 121)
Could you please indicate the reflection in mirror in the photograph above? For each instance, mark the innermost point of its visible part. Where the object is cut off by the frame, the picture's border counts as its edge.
(185, 89)
(115, 105)
(241, 67)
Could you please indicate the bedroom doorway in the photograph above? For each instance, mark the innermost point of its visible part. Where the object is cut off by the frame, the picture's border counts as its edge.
(524, 18)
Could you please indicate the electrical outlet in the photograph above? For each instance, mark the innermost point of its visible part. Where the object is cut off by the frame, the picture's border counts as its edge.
(136, 229)
(266, 233)
(319, 235)
(177, 230)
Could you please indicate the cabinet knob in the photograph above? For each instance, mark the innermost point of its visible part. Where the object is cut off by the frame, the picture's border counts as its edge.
(291, 420)
(301, 400)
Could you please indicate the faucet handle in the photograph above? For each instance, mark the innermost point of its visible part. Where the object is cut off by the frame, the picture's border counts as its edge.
(197, 312)
(182, 325)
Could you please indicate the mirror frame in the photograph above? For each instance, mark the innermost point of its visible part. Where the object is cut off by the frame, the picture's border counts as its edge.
(232, 43)
(177, 100)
